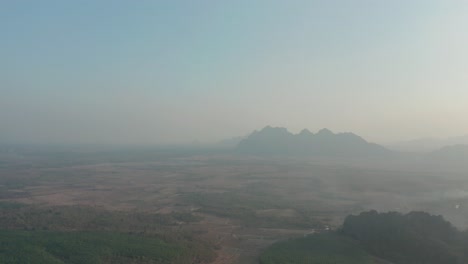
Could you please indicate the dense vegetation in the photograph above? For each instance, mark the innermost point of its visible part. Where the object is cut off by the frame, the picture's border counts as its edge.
(327, 248)
(76, 234)
(25, 217)
(414, 238)
(87, 247)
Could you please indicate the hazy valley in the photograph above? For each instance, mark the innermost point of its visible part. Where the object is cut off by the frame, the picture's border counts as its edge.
(236, 203)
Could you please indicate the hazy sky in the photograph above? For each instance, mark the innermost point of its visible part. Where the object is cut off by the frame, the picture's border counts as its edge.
(168, 71)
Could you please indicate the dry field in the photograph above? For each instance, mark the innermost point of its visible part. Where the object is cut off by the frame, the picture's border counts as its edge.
(243, 204)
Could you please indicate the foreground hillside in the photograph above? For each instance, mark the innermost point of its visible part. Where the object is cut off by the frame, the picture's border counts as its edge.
(327, 248)
(372, 237)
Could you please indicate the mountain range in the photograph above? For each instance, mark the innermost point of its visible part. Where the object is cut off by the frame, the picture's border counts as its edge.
(279, 141)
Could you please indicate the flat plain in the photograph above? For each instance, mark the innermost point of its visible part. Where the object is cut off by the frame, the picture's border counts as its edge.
(236, 205)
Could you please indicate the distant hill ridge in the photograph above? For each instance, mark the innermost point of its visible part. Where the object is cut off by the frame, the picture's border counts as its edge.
(453, 158)
(278, 140)
(426, 145)
(454, 153)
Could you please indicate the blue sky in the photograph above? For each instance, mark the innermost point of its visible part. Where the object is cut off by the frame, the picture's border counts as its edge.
(177, 71)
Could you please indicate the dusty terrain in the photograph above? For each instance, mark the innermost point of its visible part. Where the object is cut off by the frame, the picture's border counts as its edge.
(243, 203)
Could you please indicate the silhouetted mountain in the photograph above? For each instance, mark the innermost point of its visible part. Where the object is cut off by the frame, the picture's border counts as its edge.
(278, 140)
